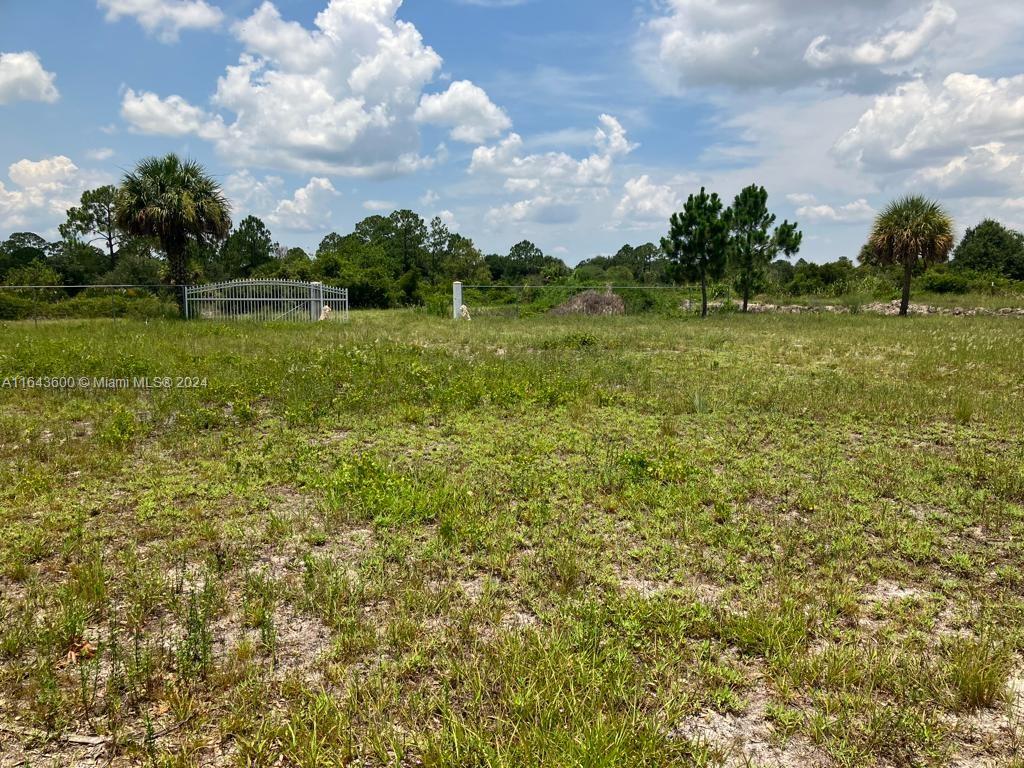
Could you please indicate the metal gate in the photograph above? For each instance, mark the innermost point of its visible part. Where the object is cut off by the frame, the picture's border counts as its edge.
(266, 300)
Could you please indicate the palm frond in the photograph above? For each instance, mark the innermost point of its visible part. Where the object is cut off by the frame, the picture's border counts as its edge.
(912, 228)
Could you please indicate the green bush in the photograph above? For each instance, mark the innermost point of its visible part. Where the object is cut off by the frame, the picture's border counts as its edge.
(945, 281)
(89, 304)
(367, 288)
(14, 306)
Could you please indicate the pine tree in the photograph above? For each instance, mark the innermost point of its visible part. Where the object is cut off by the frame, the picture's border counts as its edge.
(754, 245)
(697, 242)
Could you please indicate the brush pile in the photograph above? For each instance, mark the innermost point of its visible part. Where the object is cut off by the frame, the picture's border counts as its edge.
(592, 303)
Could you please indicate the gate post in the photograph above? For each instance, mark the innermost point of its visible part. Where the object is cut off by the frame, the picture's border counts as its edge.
(456, 300)
(316, 301)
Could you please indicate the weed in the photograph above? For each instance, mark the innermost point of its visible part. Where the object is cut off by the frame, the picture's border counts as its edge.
(517, 541)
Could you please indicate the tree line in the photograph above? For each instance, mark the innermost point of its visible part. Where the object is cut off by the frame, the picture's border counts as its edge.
(169, 223)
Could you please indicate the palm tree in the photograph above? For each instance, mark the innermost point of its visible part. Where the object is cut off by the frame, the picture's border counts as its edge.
(911, 230)
(176, 202)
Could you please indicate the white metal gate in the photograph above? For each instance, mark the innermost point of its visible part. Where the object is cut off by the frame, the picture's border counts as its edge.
(266, 300)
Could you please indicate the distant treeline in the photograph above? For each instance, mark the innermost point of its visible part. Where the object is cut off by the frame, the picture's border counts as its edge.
(403, 260)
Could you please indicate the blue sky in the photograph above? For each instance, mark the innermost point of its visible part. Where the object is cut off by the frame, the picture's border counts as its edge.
(578, 125)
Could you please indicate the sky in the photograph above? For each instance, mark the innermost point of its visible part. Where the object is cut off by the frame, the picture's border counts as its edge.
(579, 125)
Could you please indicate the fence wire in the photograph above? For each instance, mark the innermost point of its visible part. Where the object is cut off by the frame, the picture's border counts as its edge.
(526, 300)
(259, 300)
(57, 302)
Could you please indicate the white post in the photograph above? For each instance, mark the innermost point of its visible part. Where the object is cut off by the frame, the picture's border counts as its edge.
(456, 300)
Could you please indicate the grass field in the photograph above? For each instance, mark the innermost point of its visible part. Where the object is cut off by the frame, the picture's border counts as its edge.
(770, 540)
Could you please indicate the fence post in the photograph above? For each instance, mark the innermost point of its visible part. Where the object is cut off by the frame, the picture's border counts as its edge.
(316, 300)
(456, 300)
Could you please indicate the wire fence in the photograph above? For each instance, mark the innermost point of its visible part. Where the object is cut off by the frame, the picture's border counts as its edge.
(57, 302)
(526, 300)
(257, 300)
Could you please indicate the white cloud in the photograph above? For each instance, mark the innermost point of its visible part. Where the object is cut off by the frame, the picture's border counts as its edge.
(543, 209)
(856, 212)
(645, 202)
(989, 170)
(308, 209)
(47, 173)
(379, 206)
(22, 78)
(896, 47)
(172, 116)
(508, 159)
(339, 99)
(921, 124)
(467, 110)
(251, 195)
(801, 198)
(165, 18)
(100, 154)
(42, 192)
(430, 198)
(449, 220)
(784, 43)
(558, 182)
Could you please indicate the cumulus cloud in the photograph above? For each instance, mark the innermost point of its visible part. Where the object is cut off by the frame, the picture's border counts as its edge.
(308, 209)
(467, 110)
(921, 124)
(543, 209)
(22, 78)
(165, 18)
(507, 158)
(42, 191)
(856, 212)
(784, 43)
(988, 170)
(448, 219)
(558, 182)
(48, 173)
(645, 202)
(251, 195)
(171, 116)
(896, 47)
(341, 98)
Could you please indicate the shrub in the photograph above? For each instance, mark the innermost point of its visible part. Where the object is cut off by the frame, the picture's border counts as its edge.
(90, 304)
(944, 280)
(14, 306)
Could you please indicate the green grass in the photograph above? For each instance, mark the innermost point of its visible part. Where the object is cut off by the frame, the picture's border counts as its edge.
(618, 541)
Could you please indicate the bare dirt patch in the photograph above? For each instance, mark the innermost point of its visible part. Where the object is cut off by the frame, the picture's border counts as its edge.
(750, 738)
(889, 591)
(702, 590)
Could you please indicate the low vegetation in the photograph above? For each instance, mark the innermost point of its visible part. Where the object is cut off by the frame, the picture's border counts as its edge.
(168, 225)
(753, 540)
